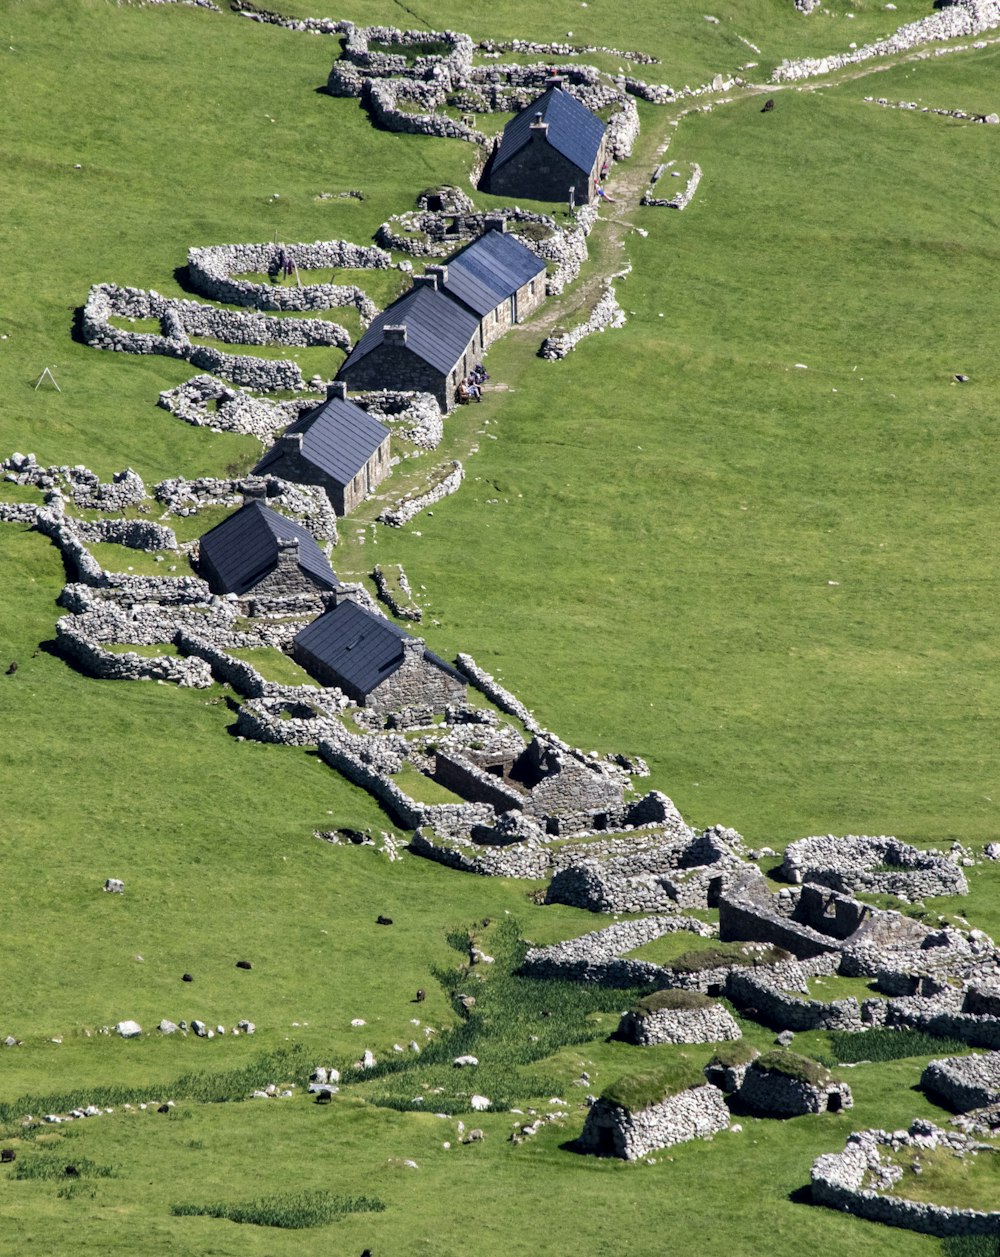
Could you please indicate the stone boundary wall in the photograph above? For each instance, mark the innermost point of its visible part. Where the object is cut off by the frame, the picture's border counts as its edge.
(408, 610)
(912, 106)
(312, 25)
(496, 693)
(79, 483)
(916, 1013)
(262, 374)
(964, 1082)
(110, 666)
(464, 778)
(964, 17)
(419, 411)
(758, 990)
(598, 957)
(517, 861)
(307, 503)
(136, 534)
(683, 198)
(214, 272)
(408, 508)
(838, 1178)
(606, 313)
(235, 410)
(696, 1113)
(851, 864)
(244, 678)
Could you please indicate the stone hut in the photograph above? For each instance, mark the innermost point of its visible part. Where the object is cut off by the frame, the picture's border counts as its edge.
(426, 342)
(677, 1017)
(964, 1082)
(784, 1084)
(496, 277)
(552, 145)
(337, 446)
(375, 663)
(643, 1112)
(257, 550)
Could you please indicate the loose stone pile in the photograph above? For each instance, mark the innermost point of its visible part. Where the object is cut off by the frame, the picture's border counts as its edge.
(883, 866)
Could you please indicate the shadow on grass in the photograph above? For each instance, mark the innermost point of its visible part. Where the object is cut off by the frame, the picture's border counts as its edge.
(76, 327)
(802, 1195)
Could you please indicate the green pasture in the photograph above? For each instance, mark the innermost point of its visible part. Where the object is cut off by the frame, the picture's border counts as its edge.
(775, 582)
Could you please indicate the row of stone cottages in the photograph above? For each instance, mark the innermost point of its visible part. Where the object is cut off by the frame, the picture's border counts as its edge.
(428, 341)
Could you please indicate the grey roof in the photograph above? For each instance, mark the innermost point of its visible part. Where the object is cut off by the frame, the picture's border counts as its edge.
(360, 647)
(438, 329)
(243, 549)
(337, 437)
(490, 270)
(573, 130)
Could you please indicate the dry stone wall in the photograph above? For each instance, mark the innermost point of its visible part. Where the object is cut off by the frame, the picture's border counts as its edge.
(610, 1130)
(964, 1082)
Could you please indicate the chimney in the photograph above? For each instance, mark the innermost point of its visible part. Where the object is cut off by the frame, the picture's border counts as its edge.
(428, 280)
(336, 389)
(555, 80)
(395, 335)
(413, 649)
(539, 124)
(291, 442)
(288, 552)
(254, 491)
(494, 222)
(350, 592)
(440, 273)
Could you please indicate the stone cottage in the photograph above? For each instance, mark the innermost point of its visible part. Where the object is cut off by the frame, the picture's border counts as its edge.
(426, 341)
(337, 446)
(619, 1127)
(677, 1017)
(257, 550)
(551, 146)
(496, 277)
(375, 663)
(784, 1084)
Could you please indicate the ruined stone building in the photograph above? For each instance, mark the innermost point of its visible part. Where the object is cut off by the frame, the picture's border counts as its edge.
(496, 277)
(552, 145)
(375, 663)
(425, 341)
(337, 446)
(257, 550)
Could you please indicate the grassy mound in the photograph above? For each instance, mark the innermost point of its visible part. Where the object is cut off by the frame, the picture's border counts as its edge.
(792, 1065)
(723, 955)
(641, 1090)
(737, 1052)
(674, 1000)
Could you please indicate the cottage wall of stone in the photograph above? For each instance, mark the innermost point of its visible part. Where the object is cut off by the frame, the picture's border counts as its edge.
(416, 682)
(393, 365)
(291, 466)
(539, 172)
(613, 1131)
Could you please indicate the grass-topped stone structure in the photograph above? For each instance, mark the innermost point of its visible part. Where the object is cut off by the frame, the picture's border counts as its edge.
(674, 1016)
(654, 1109)
(784, 1084)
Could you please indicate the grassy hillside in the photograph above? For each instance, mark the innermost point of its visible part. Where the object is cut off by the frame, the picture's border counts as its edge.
(775, 582)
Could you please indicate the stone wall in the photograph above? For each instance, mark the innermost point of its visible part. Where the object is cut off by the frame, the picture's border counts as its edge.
(606, 313)
(964, 1082)
(111, 666)
(611, 1130)
(964, 17)
(206, 402)
(465, 778)
(215, 272)
(263, 374)
(758, 990)
(857, 863)
(840, 1181)
(598, 956)
(682, 198)
(445, 480)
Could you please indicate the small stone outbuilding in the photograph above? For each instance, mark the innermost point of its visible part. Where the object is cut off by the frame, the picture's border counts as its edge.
(784, 1084)
(677, 1017)
(554, 144)
(618, 1126)
(496, 277)
(426, 342)
(258, 551)
(337, 446)
(376, 664)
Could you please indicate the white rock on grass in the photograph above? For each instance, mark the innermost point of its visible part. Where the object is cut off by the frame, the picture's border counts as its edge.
(128, 1029)
(480, 1103)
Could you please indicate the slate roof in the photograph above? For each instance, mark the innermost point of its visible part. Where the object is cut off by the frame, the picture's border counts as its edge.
(337, 437)
(490, 270)
(360, 647)
(438, 329)
(573, 130)
(243, 549)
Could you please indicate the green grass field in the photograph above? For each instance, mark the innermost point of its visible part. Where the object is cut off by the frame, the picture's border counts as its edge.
(775, 583)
